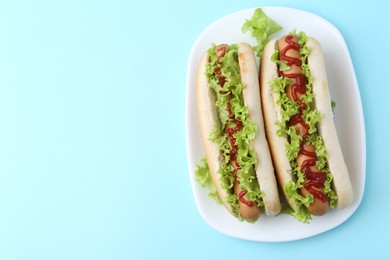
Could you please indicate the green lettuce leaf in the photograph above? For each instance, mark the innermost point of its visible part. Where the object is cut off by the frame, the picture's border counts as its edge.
(261, 27)
(275, 58)
(203, 177)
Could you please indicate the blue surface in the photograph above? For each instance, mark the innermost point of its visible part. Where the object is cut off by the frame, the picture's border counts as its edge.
(92, 132)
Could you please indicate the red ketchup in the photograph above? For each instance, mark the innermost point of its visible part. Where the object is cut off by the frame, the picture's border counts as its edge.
(314, 179)
(229, 130)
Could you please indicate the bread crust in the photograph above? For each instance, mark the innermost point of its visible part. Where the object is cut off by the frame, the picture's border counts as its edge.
(326, 128)
(208, 117)
(264, 168)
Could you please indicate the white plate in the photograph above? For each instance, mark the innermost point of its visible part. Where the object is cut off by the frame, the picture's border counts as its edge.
(349, 122)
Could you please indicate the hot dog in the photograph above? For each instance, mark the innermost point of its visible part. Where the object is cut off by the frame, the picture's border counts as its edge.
(300, 129)
(232, 129)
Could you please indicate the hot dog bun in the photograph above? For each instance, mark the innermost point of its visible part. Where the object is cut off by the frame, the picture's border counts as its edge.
(209, 118)
(326, 128)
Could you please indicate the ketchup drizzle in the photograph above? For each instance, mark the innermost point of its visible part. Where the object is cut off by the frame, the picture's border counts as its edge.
(233, 128)
(291, 45)
(314, 179)
(243, 200)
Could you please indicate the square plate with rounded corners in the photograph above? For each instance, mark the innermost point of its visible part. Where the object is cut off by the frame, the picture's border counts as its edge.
(348, 118)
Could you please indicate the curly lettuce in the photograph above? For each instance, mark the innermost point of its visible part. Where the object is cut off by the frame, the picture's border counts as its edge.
(203, 177)
(261, 27)
(311, 117)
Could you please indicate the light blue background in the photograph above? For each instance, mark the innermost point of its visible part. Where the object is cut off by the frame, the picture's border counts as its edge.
(92, 132)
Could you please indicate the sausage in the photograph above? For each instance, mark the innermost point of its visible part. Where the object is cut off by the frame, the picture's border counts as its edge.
(248, 209)
(318, 207)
